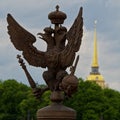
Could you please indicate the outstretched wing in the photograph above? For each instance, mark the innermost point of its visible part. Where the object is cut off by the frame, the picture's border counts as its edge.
(23, 41)
(74, 37)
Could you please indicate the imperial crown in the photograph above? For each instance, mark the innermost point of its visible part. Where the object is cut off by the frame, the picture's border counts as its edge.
(57, 17)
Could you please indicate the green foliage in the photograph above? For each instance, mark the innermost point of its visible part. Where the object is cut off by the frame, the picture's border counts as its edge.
(112, 111)
(12, 93)
(17, 101)
(91, 102)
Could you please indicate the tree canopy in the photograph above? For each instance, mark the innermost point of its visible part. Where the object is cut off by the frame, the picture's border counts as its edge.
(17, 101)
(94, 103)
(90, 101)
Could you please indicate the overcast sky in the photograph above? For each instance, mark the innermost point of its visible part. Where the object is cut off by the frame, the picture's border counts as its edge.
(33, 16)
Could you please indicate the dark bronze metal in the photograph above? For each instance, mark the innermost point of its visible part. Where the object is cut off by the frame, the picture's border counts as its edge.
(57, 58)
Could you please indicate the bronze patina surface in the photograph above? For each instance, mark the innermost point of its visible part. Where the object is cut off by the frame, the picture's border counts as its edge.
(62, 45)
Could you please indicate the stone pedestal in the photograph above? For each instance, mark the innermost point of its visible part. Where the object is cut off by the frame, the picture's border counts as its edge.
(56, 111)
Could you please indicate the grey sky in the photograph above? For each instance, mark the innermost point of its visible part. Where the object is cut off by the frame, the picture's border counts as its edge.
(33, 16)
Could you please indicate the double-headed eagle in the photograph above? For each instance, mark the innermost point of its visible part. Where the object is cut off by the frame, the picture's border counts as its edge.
(59, 54)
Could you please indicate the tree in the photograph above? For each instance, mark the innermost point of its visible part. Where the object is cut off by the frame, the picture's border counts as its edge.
(90, 101)
(112, 111)
(29, 106)
(93, 103)
(12, 93)
(17, 101)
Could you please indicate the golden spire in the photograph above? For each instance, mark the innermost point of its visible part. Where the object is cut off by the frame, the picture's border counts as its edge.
(95, 56)
(95, 76)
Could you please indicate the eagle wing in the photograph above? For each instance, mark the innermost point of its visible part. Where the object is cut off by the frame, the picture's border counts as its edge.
(23, 41)
(74, 37)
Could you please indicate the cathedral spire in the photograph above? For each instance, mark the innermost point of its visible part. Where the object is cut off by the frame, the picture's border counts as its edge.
(95, 54)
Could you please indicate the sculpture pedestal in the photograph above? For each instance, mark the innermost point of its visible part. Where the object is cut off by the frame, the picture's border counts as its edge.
(56, 111)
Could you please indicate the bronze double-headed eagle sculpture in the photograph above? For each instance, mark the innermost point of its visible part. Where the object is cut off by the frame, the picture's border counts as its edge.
(62, 45)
